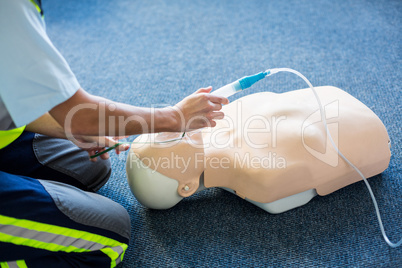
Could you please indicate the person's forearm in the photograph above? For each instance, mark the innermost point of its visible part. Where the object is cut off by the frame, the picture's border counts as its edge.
(85, 114)
(46, 125)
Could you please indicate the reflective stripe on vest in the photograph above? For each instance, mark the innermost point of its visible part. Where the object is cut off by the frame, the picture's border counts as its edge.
(38, 6)
(56, 238)
(8, 136)
(14, 264)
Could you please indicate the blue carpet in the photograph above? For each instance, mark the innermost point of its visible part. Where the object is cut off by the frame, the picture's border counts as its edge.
(156, 52)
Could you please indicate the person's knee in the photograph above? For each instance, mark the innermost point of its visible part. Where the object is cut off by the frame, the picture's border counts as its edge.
(64, 157)
(99, 173)
(90, 209)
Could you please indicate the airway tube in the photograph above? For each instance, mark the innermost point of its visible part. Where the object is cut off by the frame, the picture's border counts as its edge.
(236, 86)
(228, 90)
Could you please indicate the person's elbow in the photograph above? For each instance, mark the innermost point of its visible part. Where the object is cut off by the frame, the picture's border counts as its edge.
(78, 115)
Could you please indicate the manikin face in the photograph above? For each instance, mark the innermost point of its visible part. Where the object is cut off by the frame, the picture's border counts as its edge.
(270, 146)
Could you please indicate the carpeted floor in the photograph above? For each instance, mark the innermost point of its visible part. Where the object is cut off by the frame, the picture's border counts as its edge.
(157, 52)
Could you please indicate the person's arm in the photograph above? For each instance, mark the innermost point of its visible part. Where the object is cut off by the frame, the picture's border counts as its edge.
(86, 114)
(35, 79)
(48, 126)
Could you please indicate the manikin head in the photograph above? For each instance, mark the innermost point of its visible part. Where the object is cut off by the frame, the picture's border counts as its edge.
(267, 148)
(181, 160)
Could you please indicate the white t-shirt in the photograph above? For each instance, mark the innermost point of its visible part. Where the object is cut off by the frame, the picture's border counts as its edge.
(34, 76)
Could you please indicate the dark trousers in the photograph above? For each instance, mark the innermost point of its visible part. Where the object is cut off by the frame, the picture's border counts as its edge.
(50, 215)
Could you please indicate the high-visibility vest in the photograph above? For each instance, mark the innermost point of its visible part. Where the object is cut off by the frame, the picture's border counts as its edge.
(8, 136)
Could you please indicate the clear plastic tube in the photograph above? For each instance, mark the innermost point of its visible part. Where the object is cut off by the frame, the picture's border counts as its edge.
(277, 70)
(227, 90)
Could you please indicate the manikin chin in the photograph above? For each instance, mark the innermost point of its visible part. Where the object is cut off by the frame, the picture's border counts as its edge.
(270, 149)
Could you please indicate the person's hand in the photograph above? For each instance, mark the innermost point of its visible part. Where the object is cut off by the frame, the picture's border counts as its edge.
(199, 109)
(95, 144)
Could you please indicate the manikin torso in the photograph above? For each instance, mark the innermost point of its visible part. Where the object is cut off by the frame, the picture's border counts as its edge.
(270, 149)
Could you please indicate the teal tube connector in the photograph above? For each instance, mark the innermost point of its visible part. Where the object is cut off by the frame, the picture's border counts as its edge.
(248, 81)
(241, 84)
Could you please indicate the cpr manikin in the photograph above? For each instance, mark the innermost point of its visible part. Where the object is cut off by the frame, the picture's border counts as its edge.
(271, 149)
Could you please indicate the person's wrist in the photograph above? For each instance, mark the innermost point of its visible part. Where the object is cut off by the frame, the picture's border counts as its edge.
(170, 119)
